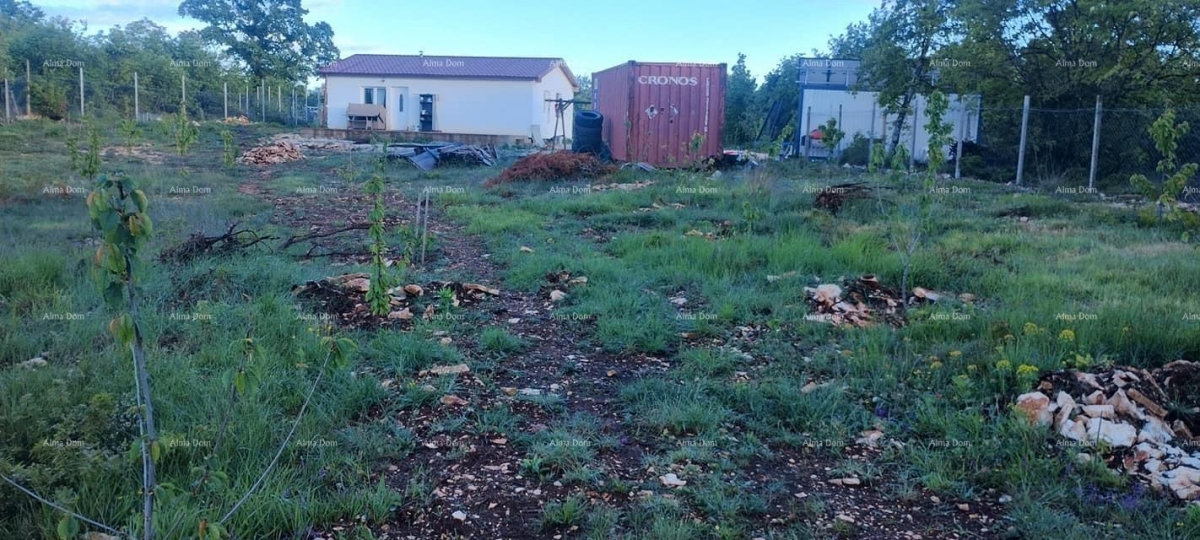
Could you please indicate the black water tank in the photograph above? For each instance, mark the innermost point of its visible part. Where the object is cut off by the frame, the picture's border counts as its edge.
(585, 136)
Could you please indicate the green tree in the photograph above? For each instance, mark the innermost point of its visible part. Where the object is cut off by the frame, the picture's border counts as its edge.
(897, 57)
(1166, 134)
(585, 92)
(739, 97)
(269, 37)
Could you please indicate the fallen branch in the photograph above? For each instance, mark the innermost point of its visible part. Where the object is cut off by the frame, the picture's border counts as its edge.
(293, 240)
(198, 244)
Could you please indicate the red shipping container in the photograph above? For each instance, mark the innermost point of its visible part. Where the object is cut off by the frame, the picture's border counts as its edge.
(668, 115)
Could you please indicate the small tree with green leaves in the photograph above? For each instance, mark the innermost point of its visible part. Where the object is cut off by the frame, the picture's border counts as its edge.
(186, 134)
(229, 148)
(831, 136)
(89, 167)
(912, 223)
(377, 297)
(118, 211)
(1167, 134)
(131, 132)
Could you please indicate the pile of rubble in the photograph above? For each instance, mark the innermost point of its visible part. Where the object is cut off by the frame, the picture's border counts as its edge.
(343, 298)
(550, 166)
(1144, 422)
(272, 154)
(237, 120)
(319, 143)
(856, 302)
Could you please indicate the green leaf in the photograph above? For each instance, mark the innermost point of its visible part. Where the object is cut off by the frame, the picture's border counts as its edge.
(155, 451)
(139, 198)
(114, 293)
(239, 382)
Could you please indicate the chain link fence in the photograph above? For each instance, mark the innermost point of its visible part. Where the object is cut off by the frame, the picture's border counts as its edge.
(1058, 143)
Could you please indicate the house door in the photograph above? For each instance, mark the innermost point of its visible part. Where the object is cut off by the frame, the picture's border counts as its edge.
(398, 110)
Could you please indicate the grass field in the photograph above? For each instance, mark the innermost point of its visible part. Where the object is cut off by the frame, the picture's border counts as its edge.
(677, 356)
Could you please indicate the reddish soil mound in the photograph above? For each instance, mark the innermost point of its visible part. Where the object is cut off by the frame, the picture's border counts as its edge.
(560, 165)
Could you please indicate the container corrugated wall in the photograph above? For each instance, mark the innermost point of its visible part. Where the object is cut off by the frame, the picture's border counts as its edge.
(668, 115)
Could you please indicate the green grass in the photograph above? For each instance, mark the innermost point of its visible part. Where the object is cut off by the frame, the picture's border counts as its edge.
(721, 405)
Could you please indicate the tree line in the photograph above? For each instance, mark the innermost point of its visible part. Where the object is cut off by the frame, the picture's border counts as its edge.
(243, 45)
(1061, 53)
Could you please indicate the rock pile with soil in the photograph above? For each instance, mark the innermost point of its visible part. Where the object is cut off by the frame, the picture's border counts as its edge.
(343, 299)
(1143, 423)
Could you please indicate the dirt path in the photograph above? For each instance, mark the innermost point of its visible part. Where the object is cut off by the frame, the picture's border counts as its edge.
(467, 455)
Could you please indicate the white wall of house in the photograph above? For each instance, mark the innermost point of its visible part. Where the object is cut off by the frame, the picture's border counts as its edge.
(856, 117)
(472, 106)
(553, 86)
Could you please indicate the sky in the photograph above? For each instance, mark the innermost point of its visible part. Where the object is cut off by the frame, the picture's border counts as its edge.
(589, 36)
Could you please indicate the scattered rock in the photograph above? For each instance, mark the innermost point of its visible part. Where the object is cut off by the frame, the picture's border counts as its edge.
(850, 481)
(459, 515)
(481, 288)
(526, 249)
(33, 363)
(557, 295)
(671, 480)
(1117, 434)
(451, 399)
(448, 370)
(530, 392)
(403, 314)
(508, 390)
(414, 290)
(1035, 406)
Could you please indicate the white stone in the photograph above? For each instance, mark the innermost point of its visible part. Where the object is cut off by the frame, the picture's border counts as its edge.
(1118, 434)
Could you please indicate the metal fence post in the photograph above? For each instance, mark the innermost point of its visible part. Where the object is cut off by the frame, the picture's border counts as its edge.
(28, 90)
(1095, 146)
(841, 126)
(912, 154)
(81, 100)
(807, 132)
(962, 130)
(871, 136)
(7, 116)
(137, 113)
(1024, 131)
(225, 88)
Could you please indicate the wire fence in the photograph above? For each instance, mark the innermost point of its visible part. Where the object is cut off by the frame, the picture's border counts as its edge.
(1084, 150)
(69, 91)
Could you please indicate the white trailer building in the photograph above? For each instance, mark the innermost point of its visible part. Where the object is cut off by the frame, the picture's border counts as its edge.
(471, 95)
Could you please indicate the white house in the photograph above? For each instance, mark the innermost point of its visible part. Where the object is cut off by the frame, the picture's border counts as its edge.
(473, 95)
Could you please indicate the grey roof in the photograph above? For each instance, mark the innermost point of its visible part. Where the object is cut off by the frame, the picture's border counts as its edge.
(448, 67)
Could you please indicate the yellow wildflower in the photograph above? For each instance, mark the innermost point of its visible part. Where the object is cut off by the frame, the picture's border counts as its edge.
(1067, 335)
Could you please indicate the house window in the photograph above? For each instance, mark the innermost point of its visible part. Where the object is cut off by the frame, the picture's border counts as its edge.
(400, 98)
(375, 95)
